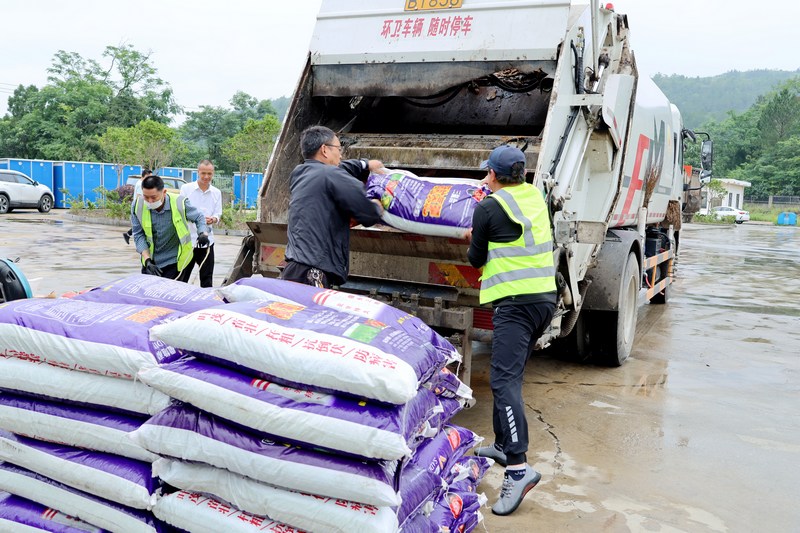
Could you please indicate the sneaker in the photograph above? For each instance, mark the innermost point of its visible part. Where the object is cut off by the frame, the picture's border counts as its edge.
(512, 491)
(126, 237)
(492, 452)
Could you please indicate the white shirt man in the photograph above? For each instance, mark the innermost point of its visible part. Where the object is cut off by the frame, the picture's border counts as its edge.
(208, 199)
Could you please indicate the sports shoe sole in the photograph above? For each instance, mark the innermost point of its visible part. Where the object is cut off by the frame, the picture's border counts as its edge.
(524, 493)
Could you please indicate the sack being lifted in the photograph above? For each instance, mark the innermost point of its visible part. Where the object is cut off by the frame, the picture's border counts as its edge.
(440, 207)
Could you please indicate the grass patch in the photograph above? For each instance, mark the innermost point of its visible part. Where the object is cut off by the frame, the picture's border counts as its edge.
(763, 213)
(711, 219)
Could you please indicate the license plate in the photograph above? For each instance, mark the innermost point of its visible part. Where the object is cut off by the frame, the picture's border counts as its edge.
(425, 5)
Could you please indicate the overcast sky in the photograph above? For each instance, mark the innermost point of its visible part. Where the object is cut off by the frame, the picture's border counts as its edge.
(207, 50)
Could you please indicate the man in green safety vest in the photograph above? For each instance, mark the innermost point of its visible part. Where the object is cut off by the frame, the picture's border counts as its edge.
(511, 239)
(160, 229)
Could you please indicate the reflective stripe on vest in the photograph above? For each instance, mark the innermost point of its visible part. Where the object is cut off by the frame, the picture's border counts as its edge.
(177, 205)
(524, 266)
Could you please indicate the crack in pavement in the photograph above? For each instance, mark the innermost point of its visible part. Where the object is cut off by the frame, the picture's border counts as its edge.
(610, 385)
(559, 466)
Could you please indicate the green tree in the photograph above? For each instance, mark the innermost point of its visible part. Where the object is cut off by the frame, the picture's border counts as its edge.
(711, 98)
(716, 190)
(780, 115)
(137, 93)
(251, 147)
(64, 119)
(209, 128)
(737, 140)
(281, 106)
(212, 126)
(775, 173)
(246, 107)
(155, 145)
(117, 145)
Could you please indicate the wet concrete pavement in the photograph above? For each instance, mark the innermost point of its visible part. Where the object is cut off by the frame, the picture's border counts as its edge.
(698, 431)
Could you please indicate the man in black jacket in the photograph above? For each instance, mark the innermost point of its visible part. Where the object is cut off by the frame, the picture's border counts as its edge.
(326, 193)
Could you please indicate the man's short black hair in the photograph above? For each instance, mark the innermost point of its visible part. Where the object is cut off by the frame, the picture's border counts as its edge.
(517, 175)
(153, 182)
(146, 172)
(312, 139)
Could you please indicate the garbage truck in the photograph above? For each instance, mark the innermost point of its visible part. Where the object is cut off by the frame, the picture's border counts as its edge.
(432, 86)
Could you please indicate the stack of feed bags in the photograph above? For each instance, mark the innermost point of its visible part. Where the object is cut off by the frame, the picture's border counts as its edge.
(303, 412)
(69, 397)
(19, 514)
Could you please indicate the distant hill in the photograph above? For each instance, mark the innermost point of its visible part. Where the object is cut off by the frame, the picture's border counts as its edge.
(710, 98)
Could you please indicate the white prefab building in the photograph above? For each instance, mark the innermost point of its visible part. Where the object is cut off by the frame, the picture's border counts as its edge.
(734, 196)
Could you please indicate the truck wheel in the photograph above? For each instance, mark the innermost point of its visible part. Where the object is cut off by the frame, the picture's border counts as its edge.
(4, 204)
(613, 331)
(576, 346)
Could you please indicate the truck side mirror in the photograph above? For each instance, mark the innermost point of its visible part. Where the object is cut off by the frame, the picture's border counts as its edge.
(706, 155)
(705, 176)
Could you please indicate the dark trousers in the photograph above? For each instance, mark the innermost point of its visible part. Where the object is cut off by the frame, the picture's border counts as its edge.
(306, 275)
(206, 268)
(168, 271)
(517, 327)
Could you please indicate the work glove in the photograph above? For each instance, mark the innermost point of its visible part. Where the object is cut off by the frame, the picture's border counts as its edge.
(151, 268)
(202, 240)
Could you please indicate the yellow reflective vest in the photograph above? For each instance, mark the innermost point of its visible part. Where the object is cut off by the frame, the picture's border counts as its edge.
(524, 266)
(177, 206)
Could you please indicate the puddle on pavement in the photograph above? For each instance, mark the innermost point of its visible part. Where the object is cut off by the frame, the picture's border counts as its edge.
(54, 222)
(648, 385)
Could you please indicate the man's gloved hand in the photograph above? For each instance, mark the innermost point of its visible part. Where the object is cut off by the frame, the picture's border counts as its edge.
(202, 240)
(151, 268)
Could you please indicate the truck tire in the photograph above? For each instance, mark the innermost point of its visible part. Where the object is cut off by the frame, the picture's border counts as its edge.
(612, 332)
(576, 345)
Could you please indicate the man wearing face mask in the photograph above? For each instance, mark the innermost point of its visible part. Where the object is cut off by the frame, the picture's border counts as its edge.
(161, 230)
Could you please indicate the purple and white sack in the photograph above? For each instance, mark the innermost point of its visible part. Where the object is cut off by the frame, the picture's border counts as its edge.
(81, 427)
(259, 287)
(466, 474)
(184, 432)
(192, 511)
(40, 380)
(458, 511)
(317, 347)
(441, 452)
(303, 511)
(420, 488)
(106, 339)
(427, 467)
(141, 289)
(19, 514)
(363, 428)
(440, 207)
(96, 511)
(419, 523)
(121, 480)
(447, 385)
(448, 408)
